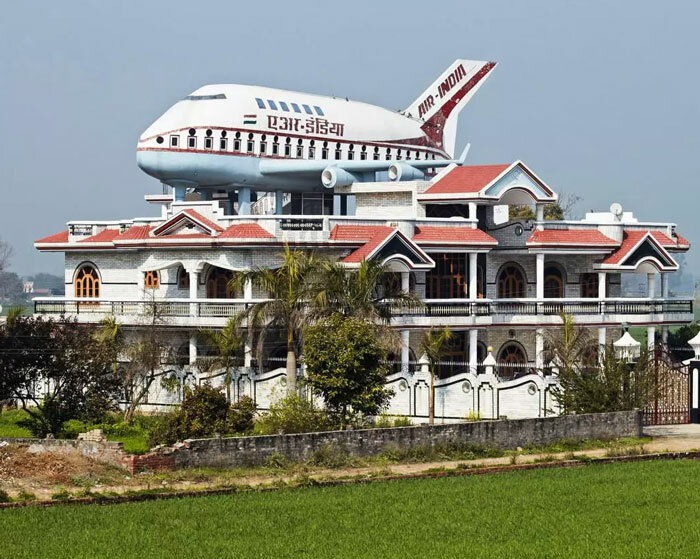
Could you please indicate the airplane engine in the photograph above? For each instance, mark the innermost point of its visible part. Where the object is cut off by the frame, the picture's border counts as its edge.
(334, 176)
(404, 172)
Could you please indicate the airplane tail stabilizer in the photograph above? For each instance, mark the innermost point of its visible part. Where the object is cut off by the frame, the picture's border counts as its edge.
(439, 105)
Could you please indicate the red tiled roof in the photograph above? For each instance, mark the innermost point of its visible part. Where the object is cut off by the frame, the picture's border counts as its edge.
(245, 231)
(61, 237)
(466, 179)
(682, 241)
(571, 237)
(358, 232)
(208, 222)
(465, 235)
(104, 236)
(629, 241)
(135, 232)
(372, 235)
(668, 242)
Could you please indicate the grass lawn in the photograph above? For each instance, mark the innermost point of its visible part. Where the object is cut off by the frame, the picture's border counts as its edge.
(647, 509)
(8, 424)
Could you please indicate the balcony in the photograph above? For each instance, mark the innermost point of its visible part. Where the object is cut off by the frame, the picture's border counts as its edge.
(452, 312)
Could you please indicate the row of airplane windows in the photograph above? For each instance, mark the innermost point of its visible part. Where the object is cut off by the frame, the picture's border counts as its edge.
(287, 148)
(285, 107)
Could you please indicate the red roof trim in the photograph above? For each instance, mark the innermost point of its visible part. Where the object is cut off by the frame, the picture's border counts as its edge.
(191, 215)
(467, 179)
(463, 235)
(246, 231)
(61, 237)
(571, 238)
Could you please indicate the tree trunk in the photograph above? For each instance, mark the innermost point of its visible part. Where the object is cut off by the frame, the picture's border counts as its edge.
(291, 364)
(227, 380)
(431, 401)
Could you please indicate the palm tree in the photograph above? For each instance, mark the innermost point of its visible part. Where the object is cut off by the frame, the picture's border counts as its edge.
(111, 334)
(290, 288)
(228, 344)
(433, 347)
(361, 293)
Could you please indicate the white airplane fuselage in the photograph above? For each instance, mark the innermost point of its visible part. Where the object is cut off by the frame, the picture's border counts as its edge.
(222, 137)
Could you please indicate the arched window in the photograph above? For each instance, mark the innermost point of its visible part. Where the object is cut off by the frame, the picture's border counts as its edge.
(363, 153)
(263, 144)
(337, 151)
(589, 286)
(218, 284)
(511, 359)
(351, 151)
(288, 147)
(151, 279)
(251, 143)
(511, 282)
(275, 145)
(87, 282)
(183, 278)
(553, 282)
(237, 142)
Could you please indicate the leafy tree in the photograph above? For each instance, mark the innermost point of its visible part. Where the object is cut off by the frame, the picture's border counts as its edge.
(678, 341)
(345, 363)
(363, 293)
(57, 371)
(11, 288)
(589, 386)
(290, 288)
(433, 346)
(562, 209)
(228, 345)
(5, 255)
(48, 281)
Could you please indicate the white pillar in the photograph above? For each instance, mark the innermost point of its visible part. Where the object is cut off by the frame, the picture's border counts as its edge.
(473, 345)
(244, 200)
(602, 339)
(193, 348)
(540, 276)
(651, 333)
(651, 285)
(664, 335)
(664, 285)
(194, 284)
(472, 214)
(539, 350)
(248, 290)
(602, 288)
(405, 281)
(405, 354)
(539, 208)
(248, 349)
(472, 276)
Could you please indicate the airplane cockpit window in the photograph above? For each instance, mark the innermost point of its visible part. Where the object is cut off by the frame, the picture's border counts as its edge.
(174, 141)
(284, 106)
(318, 110)
(261, 104)
(205, 97)
(272, 104)
(296, 108)
(307, 109)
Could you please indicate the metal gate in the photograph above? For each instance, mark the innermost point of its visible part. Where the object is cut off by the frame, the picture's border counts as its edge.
(671, 396)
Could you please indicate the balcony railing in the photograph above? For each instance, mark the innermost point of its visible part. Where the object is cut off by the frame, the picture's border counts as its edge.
(224, 308)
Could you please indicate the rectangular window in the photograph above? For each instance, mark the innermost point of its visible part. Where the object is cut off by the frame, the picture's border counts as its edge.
(222, 144)
(260, 103)
(300, 151)
(296, 108)
(275, 148)
(174, 141)
(284, 106)
(307, 109)
(272, 104)
(250, 146)
(363, 155)
(337, 153)
(192, 142)
(351, 154)
(287, 150)
(236, 145)
(376, 155)
(208, 143)
(324, 153)
(312, 152)
(318, 110)
(263, 147)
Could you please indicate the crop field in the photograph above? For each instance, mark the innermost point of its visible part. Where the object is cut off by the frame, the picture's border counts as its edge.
(645, 509)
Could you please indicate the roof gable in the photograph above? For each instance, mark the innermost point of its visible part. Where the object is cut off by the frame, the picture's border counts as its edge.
(637, 248)
(189, 221)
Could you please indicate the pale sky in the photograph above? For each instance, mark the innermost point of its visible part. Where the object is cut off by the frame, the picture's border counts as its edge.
(599, 98)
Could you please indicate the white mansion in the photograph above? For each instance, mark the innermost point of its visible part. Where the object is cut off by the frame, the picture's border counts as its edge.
(497, 283)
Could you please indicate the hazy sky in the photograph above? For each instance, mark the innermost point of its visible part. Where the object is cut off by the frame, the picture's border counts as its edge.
(599, 98)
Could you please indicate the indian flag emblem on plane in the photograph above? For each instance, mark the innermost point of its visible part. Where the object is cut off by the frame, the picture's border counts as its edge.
(250, 119)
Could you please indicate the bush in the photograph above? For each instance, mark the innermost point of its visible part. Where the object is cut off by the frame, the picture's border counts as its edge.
(72, 428)
(26, 496)
(292, 415)
(4, 497)
(203, 412)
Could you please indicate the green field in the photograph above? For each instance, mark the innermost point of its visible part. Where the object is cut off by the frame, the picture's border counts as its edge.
(647, 509)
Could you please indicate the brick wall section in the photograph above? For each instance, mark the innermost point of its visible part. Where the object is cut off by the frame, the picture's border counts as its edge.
(110, 452)
(253, 451)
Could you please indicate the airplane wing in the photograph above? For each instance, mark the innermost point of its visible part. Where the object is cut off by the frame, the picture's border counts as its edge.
(343, 172)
